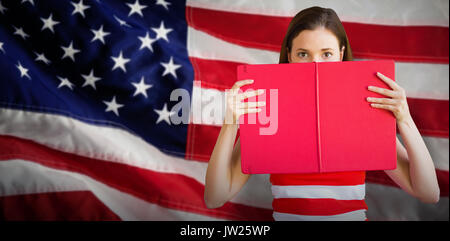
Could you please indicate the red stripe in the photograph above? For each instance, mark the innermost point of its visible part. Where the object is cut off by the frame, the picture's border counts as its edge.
(329, 179)
(174, 191)
(401, 43)
(215, 74)
(319, 207)
(73, 206)
(380, 177)
(431, 116)
(201, 141)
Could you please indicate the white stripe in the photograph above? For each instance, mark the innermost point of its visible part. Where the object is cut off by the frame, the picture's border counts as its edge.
(356, 192)
(203, 45)
(428, 81)
(439, 151)
(384, 12)
(115, 145)
(19, 177)
(388, 203)
(358, 215)
(438, 148)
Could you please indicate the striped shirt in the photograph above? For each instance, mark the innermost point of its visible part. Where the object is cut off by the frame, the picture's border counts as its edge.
(319, 197)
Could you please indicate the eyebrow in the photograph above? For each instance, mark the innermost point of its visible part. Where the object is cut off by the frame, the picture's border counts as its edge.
(321, 49)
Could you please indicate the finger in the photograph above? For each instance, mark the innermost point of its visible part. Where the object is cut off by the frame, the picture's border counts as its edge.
(382, 100)
(383, 91)
(241, 83)
(382, 106)
(388, 81)
(249, 94)
(246, 105)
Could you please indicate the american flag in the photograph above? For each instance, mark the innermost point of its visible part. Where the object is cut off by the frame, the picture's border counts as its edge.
(87, 126)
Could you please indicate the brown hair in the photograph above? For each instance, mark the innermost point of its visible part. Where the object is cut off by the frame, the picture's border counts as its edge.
(310, 19)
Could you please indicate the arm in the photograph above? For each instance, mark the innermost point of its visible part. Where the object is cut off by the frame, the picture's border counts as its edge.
(415, 172)
(224, 178)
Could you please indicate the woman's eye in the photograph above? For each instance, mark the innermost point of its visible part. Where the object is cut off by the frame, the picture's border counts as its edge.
(301, 54)
(328, 54)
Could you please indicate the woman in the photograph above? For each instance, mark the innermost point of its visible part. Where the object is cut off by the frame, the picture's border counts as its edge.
(316, 34)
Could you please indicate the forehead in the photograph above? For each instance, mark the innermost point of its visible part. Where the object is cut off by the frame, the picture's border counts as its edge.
(315, 39)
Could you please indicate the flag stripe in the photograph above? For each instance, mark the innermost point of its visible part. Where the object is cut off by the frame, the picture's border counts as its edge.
(173, 191)
(380, 177)
(383, 12)
(401, 43)
(38, 182)
(431, 116)
(203, 45)
(388, 203)
(53, 206)
(88, 141)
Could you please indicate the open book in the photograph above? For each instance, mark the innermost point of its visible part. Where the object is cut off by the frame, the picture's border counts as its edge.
(317, 118)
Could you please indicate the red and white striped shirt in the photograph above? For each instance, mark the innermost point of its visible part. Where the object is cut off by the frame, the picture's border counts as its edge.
(319, 197)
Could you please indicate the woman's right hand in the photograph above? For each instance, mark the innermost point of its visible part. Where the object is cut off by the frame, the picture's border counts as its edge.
(235, 107)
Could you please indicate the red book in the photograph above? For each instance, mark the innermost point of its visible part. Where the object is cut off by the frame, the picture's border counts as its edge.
(317, 118)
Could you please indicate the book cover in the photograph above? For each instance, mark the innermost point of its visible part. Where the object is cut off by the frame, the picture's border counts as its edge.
(317, 119)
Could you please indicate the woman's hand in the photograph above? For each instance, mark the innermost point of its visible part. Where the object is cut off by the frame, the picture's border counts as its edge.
(397, 104)
(235, 107)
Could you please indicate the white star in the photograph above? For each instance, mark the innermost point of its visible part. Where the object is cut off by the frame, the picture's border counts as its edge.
(49, 23)
(99, 34)
(163, 3)
(41, 57)
(65, 82)
(1, 47)
(2, 8)
(90, 79)
(164, 114)
(170, 67)
(136, 8)
(119, 62)
(70, 52)
(162, 32)
(79, 8)
(23, 70)
(30, 1)
(147, 42)
(113, 106)
(121, 22)
(141, 88)
(19, 31)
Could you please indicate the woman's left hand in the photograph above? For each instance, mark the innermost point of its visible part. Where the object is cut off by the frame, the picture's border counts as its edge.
(397, 104)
